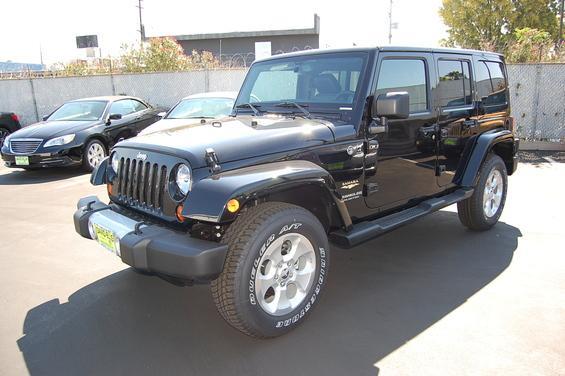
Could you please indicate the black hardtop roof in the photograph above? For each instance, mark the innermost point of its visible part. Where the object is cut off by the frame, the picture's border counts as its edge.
(445, 50)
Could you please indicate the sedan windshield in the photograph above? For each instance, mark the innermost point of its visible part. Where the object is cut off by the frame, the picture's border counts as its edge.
(201, 108)
(324, 80)
(79, 111)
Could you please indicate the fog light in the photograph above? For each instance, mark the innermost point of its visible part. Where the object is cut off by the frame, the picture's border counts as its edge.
(180, 217)
(91, 230)
(233, 205)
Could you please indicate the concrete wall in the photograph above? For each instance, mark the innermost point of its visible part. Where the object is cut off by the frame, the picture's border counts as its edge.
(537, 93)
(245, 45)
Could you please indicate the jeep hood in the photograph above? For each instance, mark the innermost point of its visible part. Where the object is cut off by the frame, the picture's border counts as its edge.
(235, 138)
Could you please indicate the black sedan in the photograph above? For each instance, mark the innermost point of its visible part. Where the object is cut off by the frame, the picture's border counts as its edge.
(80, 132)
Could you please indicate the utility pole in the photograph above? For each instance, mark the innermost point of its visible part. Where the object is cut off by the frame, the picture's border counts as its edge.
(560, 39)
(390, 23)
(141, 27)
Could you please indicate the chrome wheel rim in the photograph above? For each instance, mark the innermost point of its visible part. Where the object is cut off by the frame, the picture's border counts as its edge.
(285, 274)
(492, 196)
(95, 154)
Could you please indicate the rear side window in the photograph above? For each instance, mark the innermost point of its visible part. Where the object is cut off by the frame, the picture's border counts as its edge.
(454, 83)
(405, 75)
(491, 83)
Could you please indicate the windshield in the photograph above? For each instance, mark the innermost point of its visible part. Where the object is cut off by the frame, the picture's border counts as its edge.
(79, 111)
(325, 80)
(201, 108)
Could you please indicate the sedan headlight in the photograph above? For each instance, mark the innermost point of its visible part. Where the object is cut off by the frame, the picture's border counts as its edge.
(183, 178)
(62, 140)
(115, 162)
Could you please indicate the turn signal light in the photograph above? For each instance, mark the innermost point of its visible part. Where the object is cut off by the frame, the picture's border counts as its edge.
(233, 205)
(179, 213)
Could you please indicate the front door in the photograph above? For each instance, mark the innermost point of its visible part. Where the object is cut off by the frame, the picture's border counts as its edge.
(400, 163)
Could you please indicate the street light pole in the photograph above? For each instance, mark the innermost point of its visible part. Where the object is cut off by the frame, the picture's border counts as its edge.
(390, 23)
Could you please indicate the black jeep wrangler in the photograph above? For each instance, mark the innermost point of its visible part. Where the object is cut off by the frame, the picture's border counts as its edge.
(334, 146)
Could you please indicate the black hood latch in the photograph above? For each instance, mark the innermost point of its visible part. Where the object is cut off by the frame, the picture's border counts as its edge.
(212, 161)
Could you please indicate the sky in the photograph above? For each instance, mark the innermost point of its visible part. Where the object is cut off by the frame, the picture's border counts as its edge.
(53, 25)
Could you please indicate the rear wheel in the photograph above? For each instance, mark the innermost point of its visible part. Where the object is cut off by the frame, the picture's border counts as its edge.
(482, 210)
(94, 153)
(3, 134)
(275, 269)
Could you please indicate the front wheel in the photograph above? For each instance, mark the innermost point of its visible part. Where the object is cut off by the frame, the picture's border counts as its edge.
(276, 267)
(482, 210)
(94, 153)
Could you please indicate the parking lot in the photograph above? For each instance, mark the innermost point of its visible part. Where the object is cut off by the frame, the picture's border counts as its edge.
(430, 298)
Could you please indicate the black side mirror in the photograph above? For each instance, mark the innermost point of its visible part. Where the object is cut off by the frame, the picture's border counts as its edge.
(45, 117)
(395, 105)
(113, 117)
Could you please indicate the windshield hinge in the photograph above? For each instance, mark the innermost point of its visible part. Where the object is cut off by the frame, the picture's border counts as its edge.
(212, 161)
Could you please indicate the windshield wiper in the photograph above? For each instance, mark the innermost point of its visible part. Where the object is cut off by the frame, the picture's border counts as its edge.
(253, 107)
(294, 104)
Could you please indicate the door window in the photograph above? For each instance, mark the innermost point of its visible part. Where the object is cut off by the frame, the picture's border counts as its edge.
(491, 83)
(454, 83)
(126, 106)
(407, 75)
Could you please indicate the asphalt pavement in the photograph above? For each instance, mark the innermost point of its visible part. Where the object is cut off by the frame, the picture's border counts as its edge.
(431, 298)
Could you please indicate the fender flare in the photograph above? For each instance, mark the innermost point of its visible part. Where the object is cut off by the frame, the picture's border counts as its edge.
(208, 198)
(482, 146)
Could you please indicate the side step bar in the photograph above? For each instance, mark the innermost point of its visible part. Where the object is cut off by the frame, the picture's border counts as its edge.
(364, 231)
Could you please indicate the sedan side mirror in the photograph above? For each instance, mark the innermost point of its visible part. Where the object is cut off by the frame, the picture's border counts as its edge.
(45, 117)
(115, 116)
(162, 114)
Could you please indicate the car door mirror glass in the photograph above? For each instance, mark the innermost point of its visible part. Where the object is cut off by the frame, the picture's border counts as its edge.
(115, 117)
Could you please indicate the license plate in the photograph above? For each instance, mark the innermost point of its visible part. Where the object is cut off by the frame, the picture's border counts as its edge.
(106, 238)
(22, 160)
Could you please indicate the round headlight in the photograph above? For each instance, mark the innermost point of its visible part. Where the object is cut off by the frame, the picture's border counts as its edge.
(183, 178)
(115, 162)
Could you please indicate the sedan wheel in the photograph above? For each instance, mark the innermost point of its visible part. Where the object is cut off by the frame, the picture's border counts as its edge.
(95, 152)
(3, 134)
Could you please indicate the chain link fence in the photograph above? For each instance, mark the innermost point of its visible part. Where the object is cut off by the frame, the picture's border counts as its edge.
(537, 93)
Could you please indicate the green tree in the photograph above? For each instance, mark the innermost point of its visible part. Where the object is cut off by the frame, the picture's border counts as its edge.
(490, 24)
(164, 55)
(532, 45)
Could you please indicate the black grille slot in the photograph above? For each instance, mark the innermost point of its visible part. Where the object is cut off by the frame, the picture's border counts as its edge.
(24, 146)
(141, 183)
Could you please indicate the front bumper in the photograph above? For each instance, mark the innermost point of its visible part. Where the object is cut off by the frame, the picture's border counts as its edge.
(152, 247)
(41, 160)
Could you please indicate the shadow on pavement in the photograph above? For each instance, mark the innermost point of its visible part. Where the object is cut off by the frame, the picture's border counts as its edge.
(22, 177)
(379, 296)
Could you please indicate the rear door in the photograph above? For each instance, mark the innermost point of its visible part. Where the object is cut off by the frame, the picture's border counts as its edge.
(400, 163)
(458, 113)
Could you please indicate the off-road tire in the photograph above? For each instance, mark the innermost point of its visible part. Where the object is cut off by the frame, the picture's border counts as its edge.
(233, 291)
(471, 211)
(85, 163)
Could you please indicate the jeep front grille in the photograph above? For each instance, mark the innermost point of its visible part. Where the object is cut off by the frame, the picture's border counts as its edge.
(25, 146)
(141, 183)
